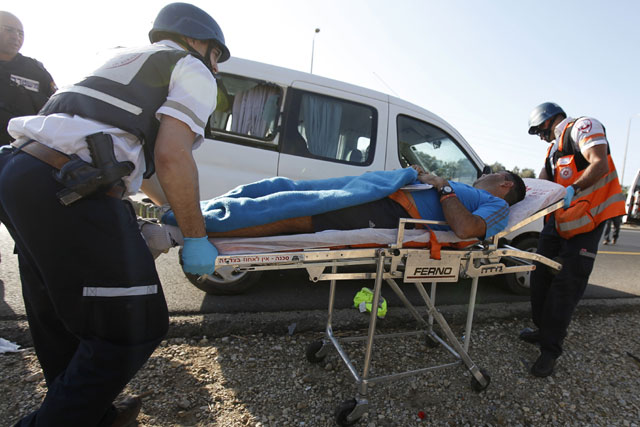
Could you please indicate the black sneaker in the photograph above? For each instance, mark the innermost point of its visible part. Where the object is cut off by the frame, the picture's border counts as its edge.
(543, 366)
(529, 335)
(127, 411)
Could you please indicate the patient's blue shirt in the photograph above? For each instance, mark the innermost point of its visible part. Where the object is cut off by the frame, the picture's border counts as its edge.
(493, 210)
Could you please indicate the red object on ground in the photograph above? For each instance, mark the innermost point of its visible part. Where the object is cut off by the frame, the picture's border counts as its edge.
(421, 415)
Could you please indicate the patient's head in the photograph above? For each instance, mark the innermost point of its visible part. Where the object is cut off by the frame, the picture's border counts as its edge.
(504, 184)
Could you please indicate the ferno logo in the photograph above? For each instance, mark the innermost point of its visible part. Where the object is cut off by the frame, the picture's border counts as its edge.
(433, 271)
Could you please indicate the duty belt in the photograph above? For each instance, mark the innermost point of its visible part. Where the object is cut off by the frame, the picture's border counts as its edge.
(58, 159)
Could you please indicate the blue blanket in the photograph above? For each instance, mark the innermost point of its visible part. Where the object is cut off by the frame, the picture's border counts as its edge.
(279, 198)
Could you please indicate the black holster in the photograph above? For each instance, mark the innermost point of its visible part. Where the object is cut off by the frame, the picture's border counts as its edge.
(83, 179)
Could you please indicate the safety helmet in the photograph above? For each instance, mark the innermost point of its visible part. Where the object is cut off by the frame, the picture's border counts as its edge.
(190, 21)
(541, 114)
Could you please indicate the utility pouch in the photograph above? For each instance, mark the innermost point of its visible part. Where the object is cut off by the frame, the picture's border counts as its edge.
(82, 179)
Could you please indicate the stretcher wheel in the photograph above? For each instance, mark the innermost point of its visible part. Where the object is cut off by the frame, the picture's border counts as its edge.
(312, 352)
(343, 411)
(475, 384)
(431, 342)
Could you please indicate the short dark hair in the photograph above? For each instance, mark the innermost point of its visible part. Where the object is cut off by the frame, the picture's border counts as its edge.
(518, 191)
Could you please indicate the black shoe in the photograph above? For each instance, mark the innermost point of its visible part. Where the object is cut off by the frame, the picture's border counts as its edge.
(127, 410)
(530, 336)
(543, 366)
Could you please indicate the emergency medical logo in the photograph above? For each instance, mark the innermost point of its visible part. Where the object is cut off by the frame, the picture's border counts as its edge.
(566, 173)
(123, 60)
(584, 126)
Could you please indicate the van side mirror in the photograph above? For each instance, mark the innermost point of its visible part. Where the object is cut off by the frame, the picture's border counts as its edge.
(486, 170)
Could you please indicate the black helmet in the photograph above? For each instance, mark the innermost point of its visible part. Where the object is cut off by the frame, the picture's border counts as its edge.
(190, 21)
(542, 113)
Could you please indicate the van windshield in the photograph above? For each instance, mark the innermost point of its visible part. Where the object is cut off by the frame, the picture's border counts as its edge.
(421, 143)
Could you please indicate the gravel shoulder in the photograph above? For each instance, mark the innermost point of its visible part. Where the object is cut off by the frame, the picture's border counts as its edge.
(265, 380)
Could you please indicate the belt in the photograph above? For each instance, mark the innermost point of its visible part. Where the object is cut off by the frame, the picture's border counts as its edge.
(58, 159)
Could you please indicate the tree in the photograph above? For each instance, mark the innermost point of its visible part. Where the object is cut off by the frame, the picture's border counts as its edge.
(527, 173)
(497, 167)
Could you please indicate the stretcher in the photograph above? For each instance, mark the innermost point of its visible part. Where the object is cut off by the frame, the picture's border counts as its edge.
(404, 254)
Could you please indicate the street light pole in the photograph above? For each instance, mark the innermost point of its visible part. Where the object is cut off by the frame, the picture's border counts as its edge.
(313, 46)
(626, 147)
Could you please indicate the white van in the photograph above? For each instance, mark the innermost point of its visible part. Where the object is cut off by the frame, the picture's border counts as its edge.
(271, 121)
(633, 202)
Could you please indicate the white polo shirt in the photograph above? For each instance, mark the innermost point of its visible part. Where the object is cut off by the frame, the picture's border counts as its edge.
(191, 99)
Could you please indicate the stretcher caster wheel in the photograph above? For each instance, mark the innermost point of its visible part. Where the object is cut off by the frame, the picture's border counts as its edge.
(431, 342)
(475, 384)
(344, 410)
(315, 353)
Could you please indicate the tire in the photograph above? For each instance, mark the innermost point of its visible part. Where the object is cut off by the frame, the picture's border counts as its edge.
(312, 350)
(235, 283)
(343, 411)
(475, 384)
(520, 283)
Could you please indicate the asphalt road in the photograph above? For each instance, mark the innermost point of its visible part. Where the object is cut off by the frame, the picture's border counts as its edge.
(616, 275)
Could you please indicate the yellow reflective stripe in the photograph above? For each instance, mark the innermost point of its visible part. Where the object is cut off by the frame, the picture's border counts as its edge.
(575, 224)
(599, 184)
(618, 197)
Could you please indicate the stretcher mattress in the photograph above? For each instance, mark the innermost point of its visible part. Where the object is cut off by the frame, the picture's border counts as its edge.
(540, 194)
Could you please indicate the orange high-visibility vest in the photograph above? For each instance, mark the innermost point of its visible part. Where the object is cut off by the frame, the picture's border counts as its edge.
(590, 206)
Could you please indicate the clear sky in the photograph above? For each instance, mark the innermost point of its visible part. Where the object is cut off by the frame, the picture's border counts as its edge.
(481, 65)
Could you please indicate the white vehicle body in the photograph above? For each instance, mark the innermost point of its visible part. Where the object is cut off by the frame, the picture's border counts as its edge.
(633, 201)
(272, 121)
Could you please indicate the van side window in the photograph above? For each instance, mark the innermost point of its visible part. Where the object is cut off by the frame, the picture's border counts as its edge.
(329, 128)
(245, 107)
(421, 143)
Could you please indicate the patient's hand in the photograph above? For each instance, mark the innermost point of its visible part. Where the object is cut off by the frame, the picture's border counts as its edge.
(418, 169)
(429, 178)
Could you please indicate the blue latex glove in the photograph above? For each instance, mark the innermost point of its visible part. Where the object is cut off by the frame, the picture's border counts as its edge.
(571, 191)
(198, 255)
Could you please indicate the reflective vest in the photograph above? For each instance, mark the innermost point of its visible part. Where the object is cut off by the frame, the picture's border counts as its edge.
(590, 206)
(126, 92)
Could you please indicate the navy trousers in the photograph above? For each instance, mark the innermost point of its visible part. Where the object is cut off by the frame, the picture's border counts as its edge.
(93, 298)
(554, 297)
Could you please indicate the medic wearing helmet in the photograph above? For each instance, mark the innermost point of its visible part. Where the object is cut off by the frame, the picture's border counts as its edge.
(578, 158)
(92, 293)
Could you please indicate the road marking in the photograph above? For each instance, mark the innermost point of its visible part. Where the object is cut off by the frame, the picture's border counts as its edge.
(619, 253)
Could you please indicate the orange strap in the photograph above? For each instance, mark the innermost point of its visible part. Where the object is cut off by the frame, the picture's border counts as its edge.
(402, 199)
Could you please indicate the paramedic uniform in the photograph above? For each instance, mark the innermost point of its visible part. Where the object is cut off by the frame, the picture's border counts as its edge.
(93, 298)
(572, 235)
(25, 86)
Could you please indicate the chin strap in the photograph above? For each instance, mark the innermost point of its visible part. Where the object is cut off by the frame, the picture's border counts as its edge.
(205, 59)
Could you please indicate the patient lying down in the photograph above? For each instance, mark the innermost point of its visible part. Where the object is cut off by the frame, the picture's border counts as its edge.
(477, 211)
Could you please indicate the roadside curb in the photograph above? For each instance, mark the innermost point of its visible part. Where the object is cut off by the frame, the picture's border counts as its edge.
(279, 323)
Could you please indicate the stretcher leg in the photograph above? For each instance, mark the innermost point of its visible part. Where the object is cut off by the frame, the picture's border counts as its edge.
(471, 309)
(481, 378)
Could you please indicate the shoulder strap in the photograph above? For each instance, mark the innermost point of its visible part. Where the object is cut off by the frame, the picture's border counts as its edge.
(567, 147)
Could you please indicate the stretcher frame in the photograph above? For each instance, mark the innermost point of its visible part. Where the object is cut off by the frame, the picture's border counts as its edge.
(480, 260)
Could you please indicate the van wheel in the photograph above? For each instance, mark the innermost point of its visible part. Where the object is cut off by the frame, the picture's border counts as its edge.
(234, 284)
(520, 283)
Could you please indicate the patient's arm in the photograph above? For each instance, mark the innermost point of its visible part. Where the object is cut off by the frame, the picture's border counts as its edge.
(462, 222)
(301, 224)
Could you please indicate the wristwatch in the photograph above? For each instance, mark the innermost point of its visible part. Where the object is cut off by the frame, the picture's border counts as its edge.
(445, 191)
